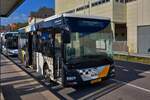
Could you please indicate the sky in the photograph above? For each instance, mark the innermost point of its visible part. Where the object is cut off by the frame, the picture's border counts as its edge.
(23, 11)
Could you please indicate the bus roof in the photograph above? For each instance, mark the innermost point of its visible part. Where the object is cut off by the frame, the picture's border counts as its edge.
(56, 20)
(76, 16)
(86, 16)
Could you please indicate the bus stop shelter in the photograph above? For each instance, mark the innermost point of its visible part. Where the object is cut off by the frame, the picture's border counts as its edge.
(9, 6)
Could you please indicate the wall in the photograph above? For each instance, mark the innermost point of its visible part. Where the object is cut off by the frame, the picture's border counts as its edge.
(104, 10)
(119, 12)
(143, 12)
(132, 26)
(65, 5)
(108, 9)
(138, 14)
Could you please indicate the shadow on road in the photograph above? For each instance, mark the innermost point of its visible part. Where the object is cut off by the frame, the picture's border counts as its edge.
(15, 78)
(5, 63)
(9, 72)
(95, 91)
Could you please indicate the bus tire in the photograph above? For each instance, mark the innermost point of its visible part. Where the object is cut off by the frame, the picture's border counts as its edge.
(46, 73)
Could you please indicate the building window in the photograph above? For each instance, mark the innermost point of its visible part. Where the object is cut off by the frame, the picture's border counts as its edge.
(99, 2)
(123, 34)
(120, 1)
(129, 1)
(103, 1)
(70, 11)
(95, 4)
(83, 7)
(107, 0)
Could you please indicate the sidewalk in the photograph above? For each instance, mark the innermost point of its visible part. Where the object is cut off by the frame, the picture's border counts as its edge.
(18, 85)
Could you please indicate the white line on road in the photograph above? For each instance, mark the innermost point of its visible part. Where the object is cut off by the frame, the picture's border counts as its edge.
(119, 66)
(142, 71)
(143, 89)
(137, 70)
(125, 70)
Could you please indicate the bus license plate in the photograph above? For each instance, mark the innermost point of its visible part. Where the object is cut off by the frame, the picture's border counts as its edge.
(96, 81)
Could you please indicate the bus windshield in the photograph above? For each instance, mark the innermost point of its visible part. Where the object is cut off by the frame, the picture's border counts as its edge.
(89, 39)
(11, 41)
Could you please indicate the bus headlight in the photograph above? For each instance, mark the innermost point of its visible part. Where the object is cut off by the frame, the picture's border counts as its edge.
(71, 78)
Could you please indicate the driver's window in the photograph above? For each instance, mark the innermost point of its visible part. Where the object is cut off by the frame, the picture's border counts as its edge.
(58, 40)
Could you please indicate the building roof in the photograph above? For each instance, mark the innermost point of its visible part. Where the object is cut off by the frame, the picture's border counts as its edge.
(8, 6)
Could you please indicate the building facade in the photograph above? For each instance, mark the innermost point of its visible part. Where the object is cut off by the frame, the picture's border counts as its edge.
(128, 18)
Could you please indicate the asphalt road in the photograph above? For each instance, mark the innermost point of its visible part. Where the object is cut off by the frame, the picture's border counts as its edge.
(132, 82)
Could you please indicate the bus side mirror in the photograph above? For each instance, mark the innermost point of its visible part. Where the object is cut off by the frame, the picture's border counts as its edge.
(66, 37)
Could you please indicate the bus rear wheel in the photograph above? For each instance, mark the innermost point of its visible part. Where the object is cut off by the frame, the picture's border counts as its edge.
(47, 73)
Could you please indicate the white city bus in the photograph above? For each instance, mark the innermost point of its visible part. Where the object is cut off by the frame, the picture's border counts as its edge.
(10, 47)
(72, 49)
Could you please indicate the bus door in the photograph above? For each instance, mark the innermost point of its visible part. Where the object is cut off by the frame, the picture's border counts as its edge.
(29, 49)
(34, 47)
(58, 54)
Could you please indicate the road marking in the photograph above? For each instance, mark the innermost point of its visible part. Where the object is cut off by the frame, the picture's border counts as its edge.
(125, 70)
(140, 88)
(100, 91)
(119, 66)
(137, 70)
(142, 71)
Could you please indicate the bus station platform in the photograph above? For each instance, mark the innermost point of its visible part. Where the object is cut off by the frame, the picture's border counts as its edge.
(18, 85)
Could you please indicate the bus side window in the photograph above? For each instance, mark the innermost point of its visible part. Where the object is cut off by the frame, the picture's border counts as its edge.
(49, 48)
(70, 51)
(38, 44)
(41, 45)
(58, 40)
(34, 43)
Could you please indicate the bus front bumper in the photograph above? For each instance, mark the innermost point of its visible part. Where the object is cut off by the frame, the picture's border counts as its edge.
(76, 78)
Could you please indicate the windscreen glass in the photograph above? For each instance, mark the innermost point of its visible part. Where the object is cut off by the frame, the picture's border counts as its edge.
(89, 38)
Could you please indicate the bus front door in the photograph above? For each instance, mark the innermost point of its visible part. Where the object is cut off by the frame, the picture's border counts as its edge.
(57, 56)
(29, 50)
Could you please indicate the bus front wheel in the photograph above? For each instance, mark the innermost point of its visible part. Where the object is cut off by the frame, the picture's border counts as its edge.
(46, 73)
